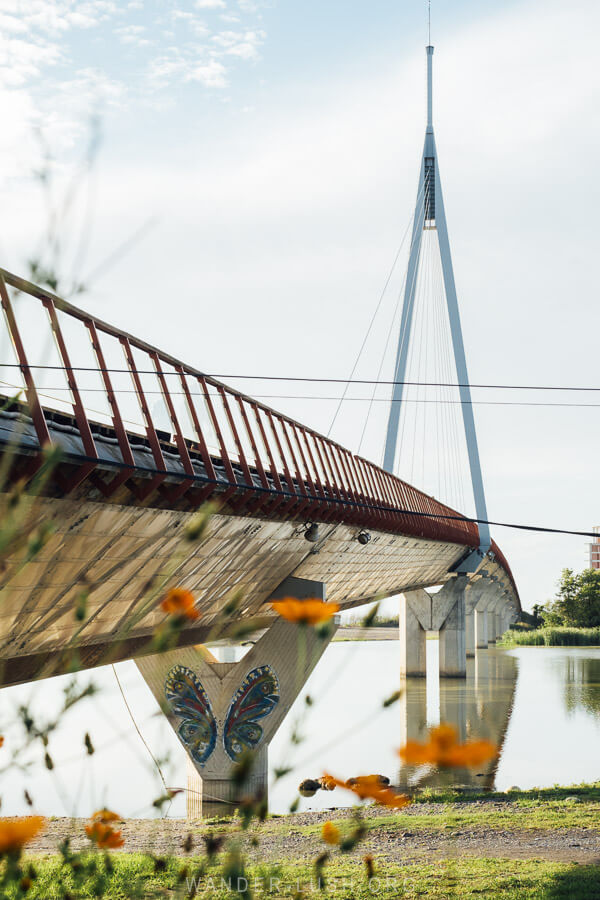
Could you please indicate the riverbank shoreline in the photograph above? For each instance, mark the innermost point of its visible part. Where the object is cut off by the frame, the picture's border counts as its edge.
(551, 636)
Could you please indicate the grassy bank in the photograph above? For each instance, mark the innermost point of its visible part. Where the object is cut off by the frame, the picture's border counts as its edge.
(137, 876)
(552, 637)
(518, 845)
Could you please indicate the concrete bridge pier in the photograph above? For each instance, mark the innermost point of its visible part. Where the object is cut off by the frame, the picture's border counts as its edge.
(453, 648)
(223, 712)
(492, 623)
(474, 599)
(501, 617)
(443, 612)
(470, 632)
(482, 597)
(496, 610)
(481, 629)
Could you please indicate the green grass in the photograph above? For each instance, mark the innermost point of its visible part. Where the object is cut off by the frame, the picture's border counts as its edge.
(135, 877)
(524, 815)
(584, 792)
(571, 806)
(552, 637)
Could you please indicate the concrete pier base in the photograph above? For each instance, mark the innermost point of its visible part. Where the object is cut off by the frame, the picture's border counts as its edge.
(470, 633)
(481, 629)
(412, 639)
(453, 650)
(209, 797)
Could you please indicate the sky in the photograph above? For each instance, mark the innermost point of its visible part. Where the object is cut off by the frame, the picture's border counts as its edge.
(252, 173)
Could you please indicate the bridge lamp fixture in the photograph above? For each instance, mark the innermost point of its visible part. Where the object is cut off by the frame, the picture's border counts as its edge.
(363, 537)
(311, 532)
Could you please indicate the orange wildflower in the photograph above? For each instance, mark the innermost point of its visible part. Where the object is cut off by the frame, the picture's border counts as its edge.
(327, 783)
(330, 833)
(1, 741)
(444, 750)
(305, 612)
(104, 836)
(18, 831)
(180, 602)
(101, 832)
(106, 816)
(369, 787)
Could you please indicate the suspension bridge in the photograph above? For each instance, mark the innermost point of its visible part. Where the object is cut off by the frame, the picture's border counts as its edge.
(145, 440)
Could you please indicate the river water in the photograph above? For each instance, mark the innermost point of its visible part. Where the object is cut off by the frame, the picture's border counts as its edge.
(540, 705)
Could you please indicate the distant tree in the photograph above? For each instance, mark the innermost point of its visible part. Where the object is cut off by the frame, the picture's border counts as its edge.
(538, 618)
(577, 601)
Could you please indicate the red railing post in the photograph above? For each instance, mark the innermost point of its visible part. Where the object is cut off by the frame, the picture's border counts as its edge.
(125, 447)
(31, 394)
(188, 468)
(89, 445)
(159, 460)
(233, 483)
(206, 458)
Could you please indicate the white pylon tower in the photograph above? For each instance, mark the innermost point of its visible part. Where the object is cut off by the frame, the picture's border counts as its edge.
(429, 214)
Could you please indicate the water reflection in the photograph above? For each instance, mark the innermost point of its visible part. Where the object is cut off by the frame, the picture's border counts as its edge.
(542, 705)
(479, 706)
(582, 685)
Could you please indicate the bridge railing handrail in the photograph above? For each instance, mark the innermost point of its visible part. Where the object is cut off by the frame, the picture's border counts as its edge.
(302, 470)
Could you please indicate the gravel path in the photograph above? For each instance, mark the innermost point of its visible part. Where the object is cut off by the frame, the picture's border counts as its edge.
(288, 838)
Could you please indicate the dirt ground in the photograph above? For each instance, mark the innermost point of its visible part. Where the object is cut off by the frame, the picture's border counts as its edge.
(298, 837)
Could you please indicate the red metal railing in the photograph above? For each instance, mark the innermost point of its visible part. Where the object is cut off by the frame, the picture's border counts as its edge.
(196, 435)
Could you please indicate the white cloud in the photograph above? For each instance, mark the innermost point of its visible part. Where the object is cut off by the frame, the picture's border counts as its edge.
(211, 74)
(242, 44)
(133, 34)
(37, 45)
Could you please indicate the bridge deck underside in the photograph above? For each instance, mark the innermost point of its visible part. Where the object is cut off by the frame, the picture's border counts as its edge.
(126, 556)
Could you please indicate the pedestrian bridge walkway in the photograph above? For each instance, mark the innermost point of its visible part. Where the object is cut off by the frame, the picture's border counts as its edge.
(145, 440)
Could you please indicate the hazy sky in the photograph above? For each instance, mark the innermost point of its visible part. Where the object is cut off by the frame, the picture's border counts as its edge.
(270, 151)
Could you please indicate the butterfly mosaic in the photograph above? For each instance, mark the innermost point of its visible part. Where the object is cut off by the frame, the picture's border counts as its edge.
(256, 697)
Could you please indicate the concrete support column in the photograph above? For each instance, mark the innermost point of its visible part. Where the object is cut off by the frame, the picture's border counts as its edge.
(207, 797)
(491, 617)
(453, 650)
(413, 637)
(501, 622)
(481, 629)
(470, 633)
(444, 612)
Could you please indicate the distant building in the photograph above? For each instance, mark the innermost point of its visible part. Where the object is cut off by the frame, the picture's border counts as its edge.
(595, 550)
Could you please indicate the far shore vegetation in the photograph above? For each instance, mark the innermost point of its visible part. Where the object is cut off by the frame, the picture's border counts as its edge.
(570, 619)
(552, 637)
